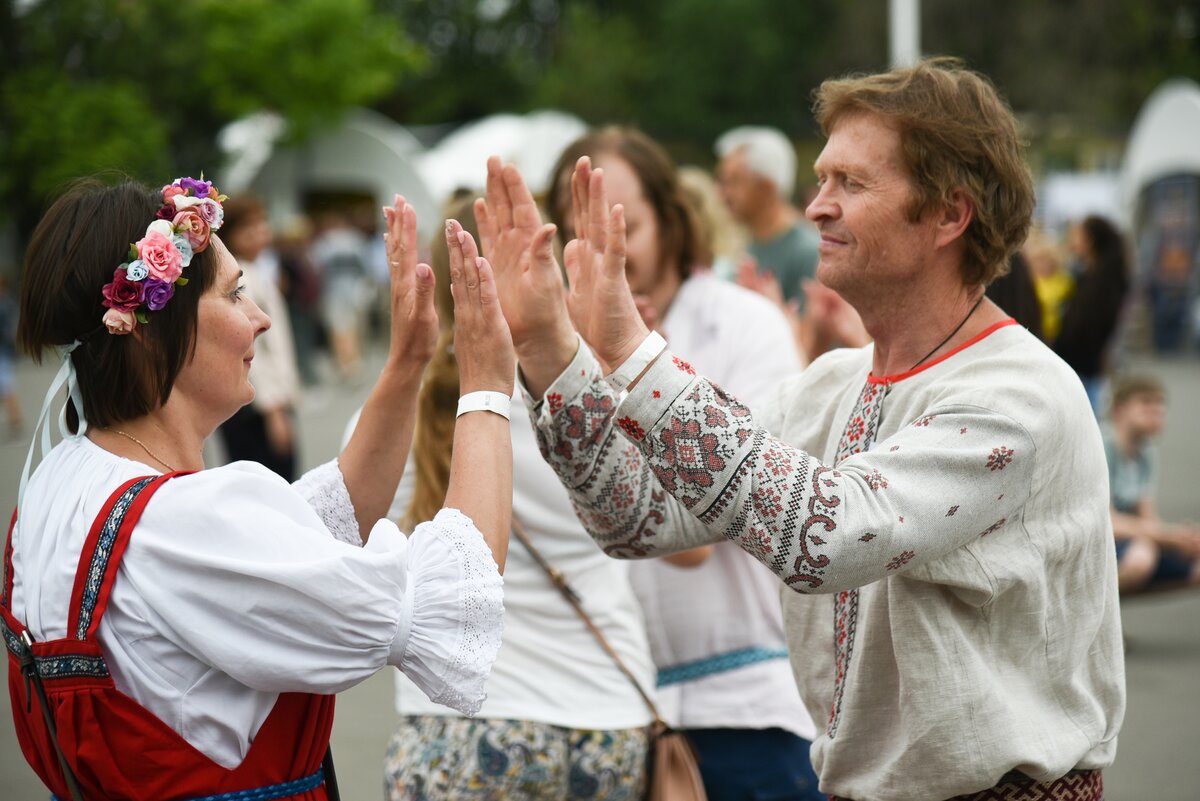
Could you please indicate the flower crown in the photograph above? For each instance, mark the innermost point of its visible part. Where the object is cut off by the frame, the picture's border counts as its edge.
(191, 212)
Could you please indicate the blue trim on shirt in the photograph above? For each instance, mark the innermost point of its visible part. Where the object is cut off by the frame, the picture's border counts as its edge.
(721, 663)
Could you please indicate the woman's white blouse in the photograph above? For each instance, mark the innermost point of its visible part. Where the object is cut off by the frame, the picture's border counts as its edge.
(237, 586)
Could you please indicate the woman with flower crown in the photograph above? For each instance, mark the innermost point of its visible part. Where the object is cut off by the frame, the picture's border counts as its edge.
(176, 632)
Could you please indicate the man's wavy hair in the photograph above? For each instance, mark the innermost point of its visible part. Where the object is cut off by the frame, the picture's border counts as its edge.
(956, 133)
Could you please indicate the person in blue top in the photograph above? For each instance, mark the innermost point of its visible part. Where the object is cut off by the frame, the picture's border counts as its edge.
(1151, 555)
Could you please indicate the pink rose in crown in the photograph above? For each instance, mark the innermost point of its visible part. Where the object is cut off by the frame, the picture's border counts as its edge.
(122, 294)
(194, 228)
(171, 190)
(119, 322)
(162, 258)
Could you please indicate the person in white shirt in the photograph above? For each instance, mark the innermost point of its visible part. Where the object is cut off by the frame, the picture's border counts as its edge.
(561, 720)
(713, 614)
(186, 628)
(935, 505)
(263, 430)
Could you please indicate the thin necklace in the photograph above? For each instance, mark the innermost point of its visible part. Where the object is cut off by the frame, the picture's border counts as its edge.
(957, 328)
(153, 455)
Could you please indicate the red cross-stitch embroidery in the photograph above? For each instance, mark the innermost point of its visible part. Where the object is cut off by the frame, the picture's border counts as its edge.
(683, 366)
(924, 421)
(555, 399)
(631, 427)
(950, 513)
(993, 527)
(876, 481)
(999, 458)
(900, 560)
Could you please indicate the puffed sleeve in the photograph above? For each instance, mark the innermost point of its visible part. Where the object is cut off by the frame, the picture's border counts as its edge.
(237, 569)
(324, 488)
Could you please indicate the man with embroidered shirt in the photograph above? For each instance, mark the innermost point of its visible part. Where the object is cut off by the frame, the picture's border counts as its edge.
(935, 503)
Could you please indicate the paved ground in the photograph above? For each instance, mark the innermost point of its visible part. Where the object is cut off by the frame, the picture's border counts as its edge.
(1158, 757)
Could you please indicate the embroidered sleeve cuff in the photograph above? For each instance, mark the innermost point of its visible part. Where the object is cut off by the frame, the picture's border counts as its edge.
(653, 396)
(457, 612)
(580, 373)
(325, 490)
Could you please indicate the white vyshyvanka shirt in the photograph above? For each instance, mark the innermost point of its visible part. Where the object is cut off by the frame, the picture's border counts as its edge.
(952, 522)
(237, 586)
(729, 605)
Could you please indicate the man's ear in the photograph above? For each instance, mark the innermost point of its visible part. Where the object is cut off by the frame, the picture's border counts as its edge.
(954, 218)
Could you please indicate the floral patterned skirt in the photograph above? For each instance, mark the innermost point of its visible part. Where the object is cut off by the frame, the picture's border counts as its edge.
(435, 758)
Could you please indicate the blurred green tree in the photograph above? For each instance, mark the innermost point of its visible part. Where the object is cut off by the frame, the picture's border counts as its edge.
(142, 87)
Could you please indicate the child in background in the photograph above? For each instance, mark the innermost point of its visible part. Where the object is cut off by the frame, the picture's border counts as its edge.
(1151, 555)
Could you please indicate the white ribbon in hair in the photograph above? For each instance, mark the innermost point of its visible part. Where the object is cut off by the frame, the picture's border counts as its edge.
(41, 431)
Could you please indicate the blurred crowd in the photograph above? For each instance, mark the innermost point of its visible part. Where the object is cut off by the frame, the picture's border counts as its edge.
(723, 263)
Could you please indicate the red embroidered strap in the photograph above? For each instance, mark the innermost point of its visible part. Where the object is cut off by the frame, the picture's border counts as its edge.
(102, 551)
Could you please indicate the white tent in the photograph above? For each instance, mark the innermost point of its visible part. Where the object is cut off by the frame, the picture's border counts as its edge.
(533, 142)
(366, 152)
(1165, 141)
(1064, 197)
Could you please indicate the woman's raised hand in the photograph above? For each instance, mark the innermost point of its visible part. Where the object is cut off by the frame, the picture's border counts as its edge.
(414, 317)
(600, 302)
(529, 281)
(482, 342)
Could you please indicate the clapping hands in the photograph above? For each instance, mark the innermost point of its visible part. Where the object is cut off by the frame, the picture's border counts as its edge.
(600, 302)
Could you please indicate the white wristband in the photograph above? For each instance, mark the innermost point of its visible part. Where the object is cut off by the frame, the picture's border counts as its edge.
(632, 367)
(484, 401)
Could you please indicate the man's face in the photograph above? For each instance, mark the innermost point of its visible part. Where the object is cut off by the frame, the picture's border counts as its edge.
(742, 190)
(869, 248)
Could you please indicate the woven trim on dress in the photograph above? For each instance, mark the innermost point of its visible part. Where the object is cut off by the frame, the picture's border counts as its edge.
(281, 790)
(71, 666)
(12, 641)
(100, 557)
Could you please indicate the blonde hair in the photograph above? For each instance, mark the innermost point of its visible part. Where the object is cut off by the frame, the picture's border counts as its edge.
(437, 403)
(717, 230)
(956, 134)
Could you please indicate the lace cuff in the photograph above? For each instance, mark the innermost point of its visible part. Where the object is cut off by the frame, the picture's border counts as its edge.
(325, 490)
(457, 612)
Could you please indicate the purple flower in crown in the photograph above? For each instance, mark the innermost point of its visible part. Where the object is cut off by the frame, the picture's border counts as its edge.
(157, 293)
(198, 188)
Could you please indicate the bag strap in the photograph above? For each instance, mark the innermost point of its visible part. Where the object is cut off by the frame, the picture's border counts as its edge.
(568, 593)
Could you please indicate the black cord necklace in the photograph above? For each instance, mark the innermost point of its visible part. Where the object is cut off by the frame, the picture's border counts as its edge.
(949, 337)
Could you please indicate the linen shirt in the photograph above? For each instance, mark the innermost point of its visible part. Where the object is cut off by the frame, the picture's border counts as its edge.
(237, 586)
(945, 533)
(730, 603)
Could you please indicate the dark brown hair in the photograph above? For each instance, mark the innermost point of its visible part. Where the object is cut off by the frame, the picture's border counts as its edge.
(956, 133)
(678, 228)
(79, 243)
